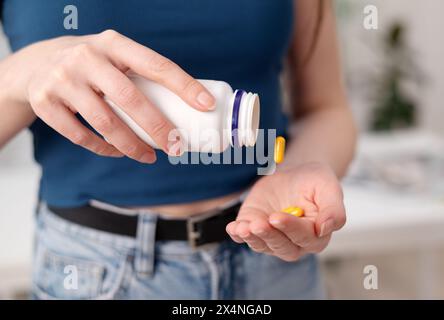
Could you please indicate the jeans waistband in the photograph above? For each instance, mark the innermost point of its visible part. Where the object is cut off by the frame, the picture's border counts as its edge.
(144, 246)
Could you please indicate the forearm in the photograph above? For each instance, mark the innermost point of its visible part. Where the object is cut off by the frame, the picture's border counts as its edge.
(324, 131)
(327, 136)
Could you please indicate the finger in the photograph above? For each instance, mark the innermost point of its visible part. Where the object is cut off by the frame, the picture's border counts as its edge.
(331, 211)
(97, 113)
(230, 228)
(250, 213)
(275, 240)
(242, 229)
(319, 245)
(330, 219)
(255, 243)
(118, 88)
(62, 120)
(151, 65)
(241, 224)
(122, 91)
(300, 231)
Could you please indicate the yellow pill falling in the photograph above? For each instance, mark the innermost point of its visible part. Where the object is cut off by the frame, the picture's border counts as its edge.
(279, 149)
(294, 211)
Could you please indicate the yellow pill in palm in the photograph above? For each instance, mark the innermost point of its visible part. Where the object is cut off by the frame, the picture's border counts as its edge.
(294, 211)
(279, 149)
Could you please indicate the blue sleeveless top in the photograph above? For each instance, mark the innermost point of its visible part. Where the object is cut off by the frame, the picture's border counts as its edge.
(242, 42)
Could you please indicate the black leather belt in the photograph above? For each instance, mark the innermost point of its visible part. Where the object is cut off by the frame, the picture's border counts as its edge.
(197, 230)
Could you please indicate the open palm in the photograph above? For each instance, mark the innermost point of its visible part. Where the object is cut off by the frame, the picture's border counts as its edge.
(262, 225)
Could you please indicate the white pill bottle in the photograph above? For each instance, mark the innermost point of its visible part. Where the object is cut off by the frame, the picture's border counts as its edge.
(233, 122)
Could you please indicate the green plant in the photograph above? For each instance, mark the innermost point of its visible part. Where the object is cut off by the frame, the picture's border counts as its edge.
(393, 108)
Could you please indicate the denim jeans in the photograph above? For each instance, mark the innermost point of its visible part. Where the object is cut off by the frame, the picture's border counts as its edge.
(75, 262)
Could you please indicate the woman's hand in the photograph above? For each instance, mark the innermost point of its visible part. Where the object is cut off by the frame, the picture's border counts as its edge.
(68, 75)
(262, 225)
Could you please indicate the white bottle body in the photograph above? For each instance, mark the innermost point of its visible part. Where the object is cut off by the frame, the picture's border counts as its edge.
(208, 131)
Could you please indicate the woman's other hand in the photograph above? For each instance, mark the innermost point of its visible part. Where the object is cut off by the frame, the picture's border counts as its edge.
(261, 224)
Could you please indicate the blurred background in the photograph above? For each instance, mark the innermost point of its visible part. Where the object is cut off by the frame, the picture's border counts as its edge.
(394, 192)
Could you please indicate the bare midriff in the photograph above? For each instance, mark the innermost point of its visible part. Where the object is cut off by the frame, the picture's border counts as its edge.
(192, 208)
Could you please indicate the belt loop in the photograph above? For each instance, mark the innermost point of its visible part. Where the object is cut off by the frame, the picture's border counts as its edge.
(146, 242)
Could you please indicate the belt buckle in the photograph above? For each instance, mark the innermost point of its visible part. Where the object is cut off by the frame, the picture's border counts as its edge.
(193, 234)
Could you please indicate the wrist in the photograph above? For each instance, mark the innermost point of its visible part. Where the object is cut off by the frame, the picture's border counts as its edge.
(13, 86)
(13, 100)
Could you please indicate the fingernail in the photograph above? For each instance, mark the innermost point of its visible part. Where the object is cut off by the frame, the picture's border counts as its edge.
(326, 228)
(148, 157)
(179, 151)
(206, 100)
(276, 222)
(176, 149)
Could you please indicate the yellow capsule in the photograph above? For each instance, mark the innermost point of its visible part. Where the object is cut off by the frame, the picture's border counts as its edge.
(294, 211)
(279, 149)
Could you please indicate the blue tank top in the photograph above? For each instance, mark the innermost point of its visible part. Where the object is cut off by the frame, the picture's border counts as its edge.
(242, 42)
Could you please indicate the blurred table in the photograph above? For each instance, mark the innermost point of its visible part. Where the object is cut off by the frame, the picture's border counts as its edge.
(380, 221)
(389, 219)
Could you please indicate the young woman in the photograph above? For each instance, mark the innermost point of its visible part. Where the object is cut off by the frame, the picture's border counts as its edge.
(118, 220)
